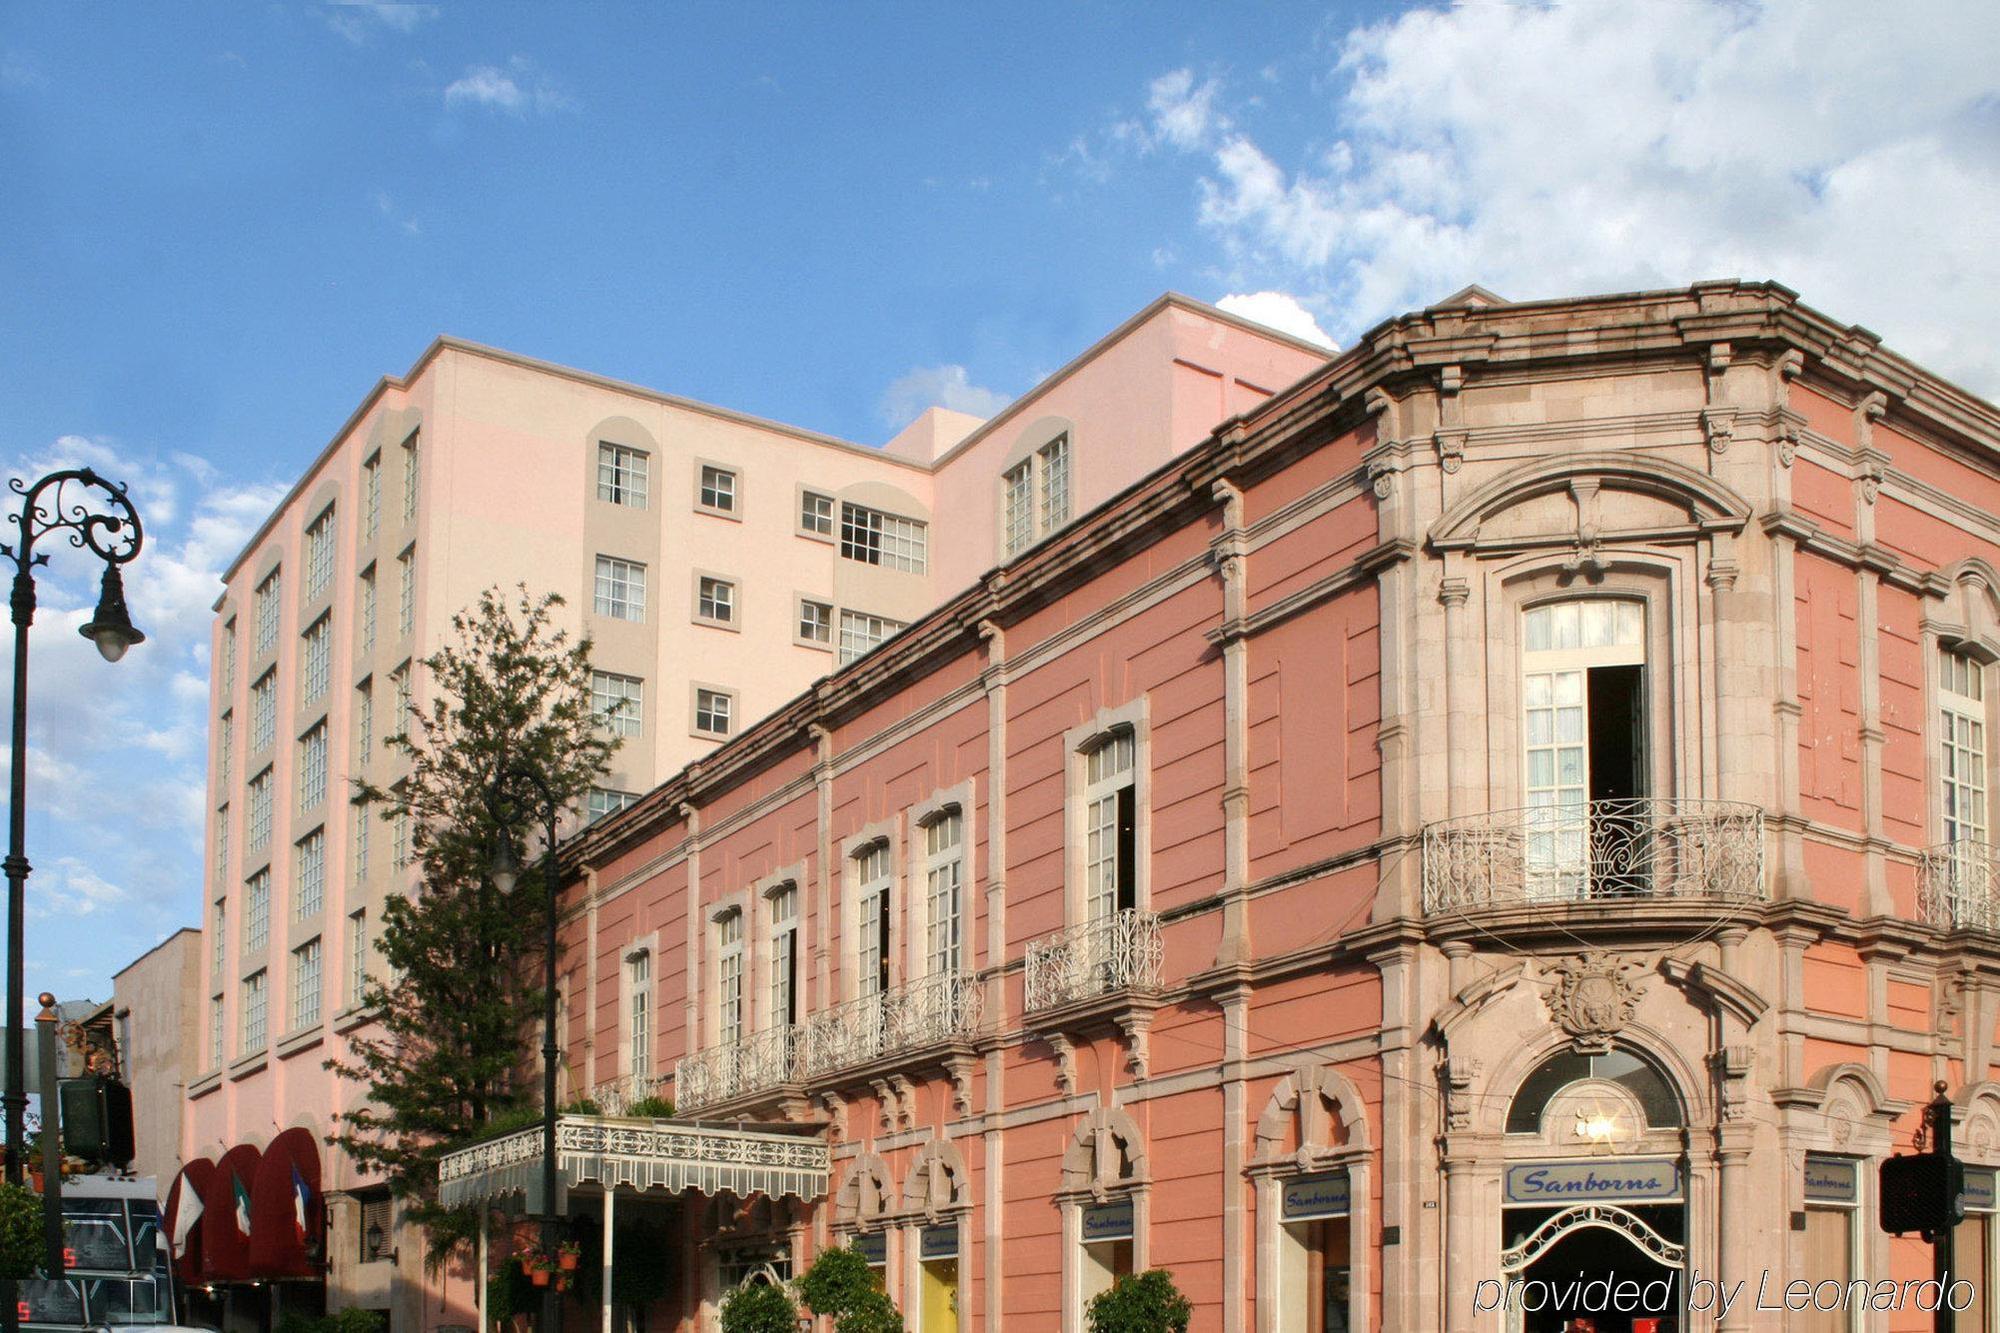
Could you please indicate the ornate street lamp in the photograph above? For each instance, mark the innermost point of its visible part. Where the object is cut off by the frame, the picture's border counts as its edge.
(97, 516)
(506, 876)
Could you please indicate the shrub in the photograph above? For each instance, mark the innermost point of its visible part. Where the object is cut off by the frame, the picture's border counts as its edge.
(21, 1241)
(758, 1307)
(1147, 1303)
(356, 1320)
(652, 1108)
(293, 1322)
(841, 1284)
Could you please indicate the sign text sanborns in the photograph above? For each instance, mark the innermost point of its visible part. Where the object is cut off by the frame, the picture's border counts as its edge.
(1575, 1182)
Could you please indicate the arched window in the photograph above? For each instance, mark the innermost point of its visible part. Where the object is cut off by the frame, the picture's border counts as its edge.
(944, 881)
(1635, 1073)
(729, 977)
(1110, 824)
(1962, 747)
(871, 879)
(784, 902)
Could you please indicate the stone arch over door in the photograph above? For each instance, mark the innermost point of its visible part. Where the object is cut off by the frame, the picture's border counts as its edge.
(1976, 1134)
(867, 1194)
(936, 1180)
(1318, 1112)
(1314, 1121)
(1107, 1152)
(1493, 1101)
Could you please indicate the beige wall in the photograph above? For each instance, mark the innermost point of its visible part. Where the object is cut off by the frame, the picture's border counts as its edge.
(154, 1008)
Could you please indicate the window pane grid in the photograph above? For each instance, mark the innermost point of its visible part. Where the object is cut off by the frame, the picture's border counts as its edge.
(364, 721)
(215, 1028)
(816, 513)
(871, 867)
(312, 768)
(253, 1013)
(317, 661)
(640, 1050)
(718, 488)
(618, 701)
(371, 497)
(1055, 483)
(222, 845)
(218, 946)
(945, 891)
(368, 609)
(264, 711)
(319, 554)
(267, 613)
(228, 659)
(876, 538)
(621, 588)
(406, 603)
(712, 712)
(1108, 775)
(729, 978)
(257, 820)
(357, 956)
(815, 622)
(225, 745)
(410, 475)
(305, 985)
(715, 599)
(860, 632)
(604, 801)
(257, 912)
(309, 883)
(621, 475)
(1018, 490)
(784, 939)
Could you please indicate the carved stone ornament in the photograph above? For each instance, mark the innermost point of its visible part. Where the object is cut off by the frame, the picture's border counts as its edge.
(1382, 478)
(1592, 997)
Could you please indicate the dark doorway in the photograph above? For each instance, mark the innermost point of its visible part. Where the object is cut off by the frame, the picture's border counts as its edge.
(1620, 829)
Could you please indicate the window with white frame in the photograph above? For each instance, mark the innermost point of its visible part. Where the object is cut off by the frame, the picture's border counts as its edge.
(305, 985)
(257, 912)
(410, 475)
(815, 621)
(621, 588)
(312, 768)
(1110, 825)
(1035, 495)
(316, 661)
(619, 702)
(639, 1046)
(860, 632)
(784, 902)
(371, 496)
(718, 489)
(715, 600)
(1017, 498)
(218, 942)
(816, 513)
(713, 711)
(309, 877)
(357, 956)
(267, 604)
(729, 977)
(222, 844)
(604, 801)
(225, 748)
(399, 681)
(1962, 747)
(253, 1013)
(872, 955)
(877, 538)
(319, 554)
(1053, 461)
(406, 592)
(257, 818)
(944, 884)
(399, 833)
(264, 711)
(366, 612)
(215, 1030)
(364, 721)
(1833, 1237)
(621, 475)
(228, 658)
(1583, 689)
(364, 821)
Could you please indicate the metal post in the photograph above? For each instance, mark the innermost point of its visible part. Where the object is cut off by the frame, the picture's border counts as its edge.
(551, 1298)
(1941, 1256)
(23, 606)
(49, 1039)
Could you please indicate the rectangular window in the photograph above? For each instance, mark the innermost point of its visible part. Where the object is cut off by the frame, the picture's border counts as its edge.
(712, 710)
(1962, 732)
(305, 985)
(1054, 458)
(604, 801)
(815, 621)
(257, 820)
(871, 875)
(225, 748)
(816, 514)
(364, 820)
(215, 1030)
(621, 475)
(639, 1049)
(218, 943)
(371, 496)
(729, 978)
(1017, 489)
(1110, 826)
(410, 475)
(619, 702)
(229, 659)
(316, 662)
(253, 1013)
(406, 597)
(222, 845)
(366, 611)
(267, 607)
(309, 879)
(785, 955)
(876, 538)
(718, 489)
(264, 711)
(399, 680)
(364, 721)
(312, 768)
(257, 912)
(357, 957)
(944, 882)
(621, 588)
(399, 839)
(860, 632)
(715, 599)
(319, 554)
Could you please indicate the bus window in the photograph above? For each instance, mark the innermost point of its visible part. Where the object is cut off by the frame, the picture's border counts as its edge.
(94, 1235)
(43, 1302)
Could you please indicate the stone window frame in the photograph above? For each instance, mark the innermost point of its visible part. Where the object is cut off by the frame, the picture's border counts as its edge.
(649, 946)
(1967, 622)
(1302, 1098)
(849, 887)
(1134, 716)
(1084, 1183)
(732, 589)
(733, 511)
(957, 800)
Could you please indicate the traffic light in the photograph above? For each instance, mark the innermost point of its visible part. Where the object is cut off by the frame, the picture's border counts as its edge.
(1922, 1192)
(96, 1119)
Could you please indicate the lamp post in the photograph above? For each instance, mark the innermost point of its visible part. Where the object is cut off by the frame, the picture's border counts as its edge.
(506, 875)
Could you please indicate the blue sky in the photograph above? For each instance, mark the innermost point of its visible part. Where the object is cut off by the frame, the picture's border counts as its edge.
(221, 224)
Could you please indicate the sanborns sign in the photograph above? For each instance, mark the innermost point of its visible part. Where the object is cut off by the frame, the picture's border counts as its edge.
(1574, 1182)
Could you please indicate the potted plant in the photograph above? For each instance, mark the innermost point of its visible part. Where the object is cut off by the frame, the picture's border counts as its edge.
(569, 1256)
(1147, 1303)
(758, 1307)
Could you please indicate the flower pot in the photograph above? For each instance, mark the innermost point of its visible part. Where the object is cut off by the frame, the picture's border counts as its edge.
(539, 1276)
(568, 1262)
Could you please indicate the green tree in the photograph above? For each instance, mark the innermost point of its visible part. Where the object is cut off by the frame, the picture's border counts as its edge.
(842, 1285)
(759, 1307)
(459, 990)
(1147, 1303)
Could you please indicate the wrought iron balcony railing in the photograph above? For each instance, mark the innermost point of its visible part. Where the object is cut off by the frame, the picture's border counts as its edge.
(919, 1014)
(1958, 885)
(1648, 847)
(756, 1063)
(617, 1096)
(1120, 952)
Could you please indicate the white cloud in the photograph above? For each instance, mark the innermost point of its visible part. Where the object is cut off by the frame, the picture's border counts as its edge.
(357, 20)
(937, 386)
(1840, 148)
(385, 205)
(517, 88)
(1280, 311)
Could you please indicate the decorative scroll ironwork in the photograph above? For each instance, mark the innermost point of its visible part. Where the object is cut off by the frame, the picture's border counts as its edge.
(95, 513)
(1605, 1216)
(619, 1095)
(663, 1155)
(923, 1013)
(765, 1060)
(1648, 847)
(1958, 885)
(1120, 952)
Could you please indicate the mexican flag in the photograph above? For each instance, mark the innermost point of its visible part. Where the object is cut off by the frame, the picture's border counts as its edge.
(189, 1213)
(301, 1193)
(242, 1204)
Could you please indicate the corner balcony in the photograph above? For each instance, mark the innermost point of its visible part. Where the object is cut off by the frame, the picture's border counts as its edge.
(901, 1023)
(1115, 955)
(1958, 885)
(1646, 848)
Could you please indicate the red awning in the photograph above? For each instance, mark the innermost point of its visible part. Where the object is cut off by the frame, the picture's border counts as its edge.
(286, 1212)
(228, 1214)
(188, 1197)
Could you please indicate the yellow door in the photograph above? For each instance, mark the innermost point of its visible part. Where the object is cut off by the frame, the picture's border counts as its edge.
(940, 1296)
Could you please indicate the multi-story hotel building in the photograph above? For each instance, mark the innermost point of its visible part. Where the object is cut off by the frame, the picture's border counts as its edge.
(719, 563)
(1515, 805)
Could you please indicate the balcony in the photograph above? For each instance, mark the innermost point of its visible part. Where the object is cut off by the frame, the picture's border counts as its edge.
(919, 1015)
(1605, 851)
(1957, 883)
(758, 1063)
(1117, 954)
(617, 1096)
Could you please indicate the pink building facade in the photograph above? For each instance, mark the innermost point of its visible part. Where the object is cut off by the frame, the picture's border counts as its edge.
(1514, 805)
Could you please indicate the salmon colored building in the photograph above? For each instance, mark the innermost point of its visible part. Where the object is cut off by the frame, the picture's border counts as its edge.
(1513, 806)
